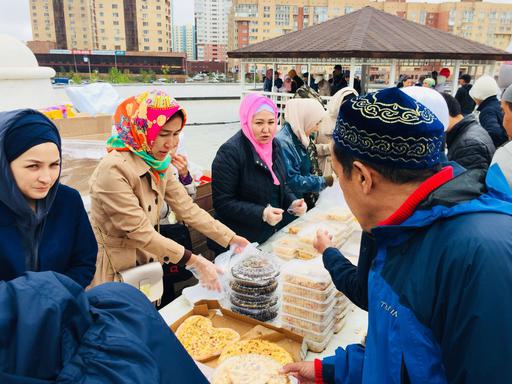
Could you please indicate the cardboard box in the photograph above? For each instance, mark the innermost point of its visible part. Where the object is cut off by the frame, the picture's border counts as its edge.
(247, 327)
(85, 126)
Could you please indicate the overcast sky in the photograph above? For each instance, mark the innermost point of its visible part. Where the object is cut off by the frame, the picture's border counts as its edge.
(15, 16)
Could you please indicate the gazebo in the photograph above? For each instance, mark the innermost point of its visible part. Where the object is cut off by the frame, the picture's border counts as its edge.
(370, 37)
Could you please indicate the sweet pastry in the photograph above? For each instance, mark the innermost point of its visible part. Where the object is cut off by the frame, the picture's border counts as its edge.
(259, 347)
(249, 369)
(202, 340)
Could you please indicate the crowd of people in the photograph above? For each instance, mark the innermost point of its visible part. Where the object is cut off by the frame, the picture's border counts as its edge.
(425, 177)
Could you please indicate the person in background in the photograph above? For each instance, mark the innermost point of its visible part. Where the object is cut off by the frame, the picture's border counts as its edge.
(505, 75)
(442, 238)
(303, 174)
(55, 332)
(278, 83)
(311, 83)
(503, 155)
(324, 88)
(267, 83)
(467, 104)
(130, 185)
(43, 224)
(288, 84)
(296, 80)
(421, 79)
(338, 81)
(250, 193)
(468, 143)
(484, 92)
(429, 83)
(442, 83)
(324, 137)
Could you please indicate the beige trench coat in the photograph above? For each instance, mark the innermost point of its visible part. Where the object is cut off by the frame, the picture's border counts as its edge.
(125, 208)
(323, 144)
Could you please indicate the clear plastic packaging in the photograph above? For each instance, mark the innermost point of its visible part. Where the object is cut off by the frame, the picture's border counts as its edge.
(253, 290)
(295, 321)
(251, 302)
(318, 347)
(266, 314)
(285, 247)
(308, 293)
(315, 316)
(307, 275)
(339, 324)
(309, 335)
(309, 304)
(254, 269)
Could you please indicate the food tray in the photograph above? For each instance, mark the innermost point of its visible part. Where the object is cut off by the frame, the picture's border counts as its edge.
(306, 303)
(307, 275)
(316, 316)
(305, 324)
(311, 335)
(258, 314)
(318, 347)
(254, 269)
(308, 293)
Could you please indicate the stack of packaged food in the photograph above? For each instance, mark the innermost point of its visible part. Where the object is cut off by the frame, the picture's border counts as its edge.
(253, 288)
(310, 303)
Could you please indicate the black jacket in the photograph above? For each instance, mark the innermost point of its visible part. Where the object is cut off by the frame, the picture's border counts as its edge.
(469, 144)
(491, 118)
(466, 102)
(242, 187)
(297, 82)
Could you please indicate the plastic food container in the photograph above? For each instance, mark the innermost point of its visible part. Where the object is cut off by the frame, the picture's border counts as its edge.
(318, 347)
(290, 320)
(258, 314)
(311, 335)
(254, 269)
(286, 247)
(241, 287)
(308, 293)
(261, 302)
(307, 275)
(339, 324)
(315, 316)
(309, 304)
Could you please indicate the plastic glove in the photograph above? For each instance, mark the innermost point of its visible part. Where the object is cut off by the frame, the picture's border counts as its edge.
(323, 240)
(272, 216)
(205, 271)
(298, 207)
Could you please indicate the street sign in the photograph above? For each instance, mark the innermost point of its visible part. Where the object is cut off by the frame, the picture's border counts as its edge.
(103, 52)
(86, 59)
(120, 53)
(81, 52)
(61, 51)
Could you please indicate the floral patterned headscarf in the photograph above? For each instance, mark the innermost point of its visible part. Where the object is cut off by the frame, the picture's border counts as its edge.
(138, 120)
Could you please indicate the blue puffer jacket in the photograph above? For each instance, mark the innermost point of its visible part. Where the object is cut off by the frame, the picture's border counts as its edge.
(51, 331)
(440, 292)
(297, 164)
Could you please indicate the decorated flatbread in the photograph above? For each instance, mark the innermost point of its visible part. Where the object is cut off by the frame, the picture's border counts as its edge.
(249, 369)
(202, 340)
(258, 347)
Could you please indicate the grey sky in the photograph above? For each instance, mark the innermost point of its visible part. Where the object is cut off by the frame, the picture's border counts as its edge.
(15, 16)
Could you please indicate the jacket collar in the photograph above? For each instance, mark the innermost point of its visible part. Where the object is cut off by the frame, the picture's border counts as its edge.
(459, 128)
(257, 159)
(489, 101)
(135, 163)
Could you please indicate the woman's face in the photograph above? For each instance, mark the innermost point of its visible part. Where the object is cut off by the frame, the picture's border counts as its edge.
(168, 138)
(36, 170)
(263, 126)
(314, 128)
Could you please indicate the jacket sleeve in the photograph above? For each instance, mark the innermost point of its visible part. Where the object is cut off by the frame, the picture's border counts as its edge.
(297, 182)
(225, 182)
(323, 150)
(472, 156)
(492, 124)
(85, 247)
(345, 367)
(188, 211)
(289, 197)
(476, 335)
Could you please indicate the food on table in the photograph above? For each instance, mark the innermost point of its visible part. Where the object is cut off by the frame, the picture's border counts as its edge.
(249, 369)
(259, 347)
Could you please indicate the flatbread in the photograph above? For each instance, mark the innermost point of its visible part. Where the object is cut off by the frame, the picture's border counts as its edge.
(258, 347)
(249, 369)
(202, 340)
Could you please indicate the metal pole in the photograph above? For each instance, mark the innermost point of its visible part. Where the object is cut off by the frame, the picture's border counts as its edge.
(392, 74)
(352, 72)
(273, 76)
(89, 64)
(242, 74)
(455, 81)
(254, 75)
(309, 74)
(74, 60)
(115, 59)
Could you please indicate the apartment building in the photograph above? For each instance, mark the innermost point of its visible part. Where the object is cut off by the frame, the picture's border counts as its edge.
(211, 19)
(184, 40)
(252, 21)
(130, 25)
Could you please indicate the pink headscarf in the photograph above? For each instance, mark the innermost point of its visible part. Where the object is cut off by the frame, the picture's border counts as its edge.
(251, 103)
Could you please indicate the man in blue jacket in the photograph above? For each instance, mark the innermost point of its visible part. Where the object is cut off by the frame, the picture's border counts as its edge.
(440, 282)
(51, 331)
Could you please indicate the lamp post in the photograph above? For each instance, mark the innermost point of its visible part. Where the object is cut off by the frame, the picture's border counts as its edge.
(86, 60)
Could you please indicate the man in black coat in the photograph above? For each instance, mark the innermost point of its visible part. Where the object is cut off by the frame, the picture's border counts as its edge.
(467, 104)
(468, 143)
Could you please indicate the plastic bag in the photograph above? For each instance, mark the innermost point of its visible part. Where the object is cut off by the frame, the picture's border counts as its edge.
(94, 98)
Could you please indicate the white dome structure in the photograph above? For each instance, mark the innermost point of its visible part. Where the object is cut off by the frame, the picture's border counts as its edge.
(23, 83)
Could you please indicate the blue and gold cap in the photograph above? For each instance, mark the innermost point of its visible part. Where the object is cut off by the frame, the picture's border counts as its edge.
(390, 128)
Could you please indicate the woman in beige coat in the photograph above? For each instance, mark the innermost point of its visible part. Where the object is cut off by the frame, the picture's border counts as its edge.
(132, 182)
(324, 138)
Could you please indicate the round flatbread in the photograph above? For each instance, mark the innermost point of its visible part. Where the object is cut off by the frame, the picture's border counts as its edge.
(249, 369)
(258, 347)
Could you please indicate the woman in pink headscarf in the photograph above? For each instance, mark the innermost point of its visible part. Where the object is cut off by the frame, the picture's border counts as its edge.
(250, 194)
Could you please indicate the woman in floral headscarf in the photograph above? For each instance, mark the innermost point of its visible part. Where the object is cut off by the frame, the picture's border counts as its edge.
(130, 185)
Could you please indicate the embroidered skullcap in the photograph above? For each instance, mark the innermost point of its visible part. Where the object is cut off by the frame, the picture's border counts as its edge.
(389, 128)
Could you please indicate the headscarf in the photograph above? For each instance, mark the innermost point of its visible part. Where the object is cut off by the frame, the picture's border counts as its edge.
(287, 83)
(250, 105)
(431, 83)
(138, 120)
(21, 130)
(302, 114)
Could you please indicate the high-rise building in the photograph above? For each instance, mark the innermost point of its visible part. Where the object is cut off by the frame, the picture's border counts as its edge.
(252, 21)
(184, 40)
(211, 19)
(132, 25)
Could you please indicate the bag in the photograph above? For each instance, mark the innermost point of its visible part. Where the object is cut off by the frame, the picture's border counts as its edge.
(147, 278)
(306, 92)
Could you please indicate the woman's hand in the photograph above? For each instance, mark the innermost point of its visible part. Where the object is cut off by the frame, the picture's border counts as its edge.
(303, 371)
(206, 272)
(240, 243)
(272, 216)
(298, 207)
(322, 241)
(181, 164)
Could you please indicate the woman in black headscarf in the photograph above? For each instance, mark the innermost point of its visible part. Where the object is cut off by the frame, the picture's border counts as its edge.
(43, 224)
